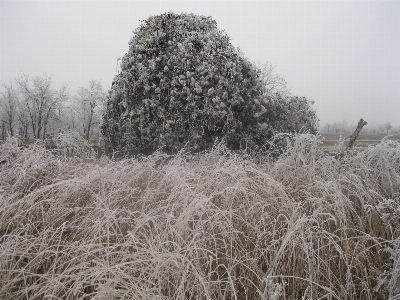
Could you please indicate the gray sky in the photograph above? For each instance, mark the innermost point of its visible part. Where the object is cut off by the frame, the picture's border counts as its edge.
(345, 55)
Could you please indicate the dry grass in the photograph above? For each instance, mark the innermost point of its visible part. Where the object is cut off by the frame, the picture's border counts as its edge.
(217, 225)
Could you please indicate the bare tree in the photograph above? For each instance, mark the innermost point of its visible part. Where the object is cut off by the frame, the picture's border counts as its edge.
(40, 101)
(23, 121)
(89, 103)
(9, 105)
(274, 83)
(388, 126)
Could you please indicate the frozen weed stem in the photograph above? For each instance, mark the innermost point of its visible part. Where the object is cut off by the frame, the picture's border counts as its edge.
(208, 226)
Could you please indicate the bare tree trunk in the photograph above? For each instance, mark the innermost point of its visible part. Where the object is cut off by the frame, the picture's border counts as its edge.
(3, 131)
(355, 134)
(87, 135)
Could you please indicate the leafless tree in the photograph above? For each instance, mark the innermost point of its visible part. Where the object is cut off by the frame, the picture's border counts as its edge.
(274, 83)
(40, 101)
(89, 102)
(388, 126)
(8, 105)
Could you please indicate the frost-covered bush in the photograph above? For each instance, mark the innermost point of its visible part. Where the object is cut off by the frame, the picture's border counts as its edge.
(291, 114)
(72, 144)
(183, 83)
(25, 168)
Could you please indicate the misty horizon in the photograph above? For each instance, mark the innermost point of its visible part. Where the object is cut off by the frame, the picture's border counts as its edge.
(343, 55)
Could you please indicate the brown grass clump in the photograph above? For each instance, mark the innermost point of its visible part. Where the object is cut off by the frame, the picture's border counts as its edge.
(217, 225)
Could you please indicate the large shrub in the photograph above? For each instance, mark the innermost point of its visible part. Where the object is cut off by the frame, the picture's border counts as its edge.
(291, 114)
(183, 83)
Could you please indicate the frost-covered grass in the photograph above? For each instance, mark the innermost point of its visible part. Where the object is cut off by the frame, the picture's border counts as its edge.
(309, 225)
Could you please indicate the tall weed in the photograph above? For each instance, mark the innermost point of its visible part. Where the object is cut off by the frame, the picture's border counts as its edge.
(217, 225)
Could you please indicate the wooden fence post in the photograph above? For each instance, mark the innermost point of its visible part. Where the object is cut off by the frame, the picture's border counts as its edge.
(356, 132)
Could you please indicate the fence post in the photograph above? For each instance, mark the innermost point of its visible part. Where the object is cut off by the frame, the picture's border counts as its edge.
(356, 132)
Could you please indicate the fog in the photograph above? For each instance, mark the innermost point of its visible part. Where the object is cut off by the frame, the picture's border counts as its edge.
(345, 55)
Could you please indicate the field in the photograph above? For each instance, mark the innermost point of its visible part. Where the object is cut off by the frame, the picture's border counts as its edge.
(363, 141)
(309, 224)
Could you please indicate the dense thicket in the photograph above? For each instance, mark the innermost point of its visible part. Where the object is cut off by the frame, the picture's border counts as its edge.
(216, 225)
(183, 83)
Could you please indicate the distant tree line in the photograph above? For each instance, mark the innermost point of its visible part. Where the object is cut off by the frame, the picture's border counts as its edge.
(31, 108)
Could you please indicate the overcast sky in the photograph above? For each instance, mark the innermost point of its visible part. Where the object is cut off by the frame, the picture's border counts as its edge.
(345, 55)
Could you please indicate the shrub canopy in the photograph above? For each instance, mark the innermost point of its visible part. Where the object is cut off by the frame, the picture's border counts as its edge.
(183, 83)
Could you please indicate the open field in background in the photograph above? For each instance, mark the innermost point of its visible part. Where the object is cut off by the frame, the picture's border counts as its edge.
(363, 141)
(217, 225)
(330, 141)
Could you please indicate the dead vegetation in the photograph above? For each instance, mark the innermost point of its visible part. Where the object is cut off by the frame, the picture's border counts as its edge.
(217, 225)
